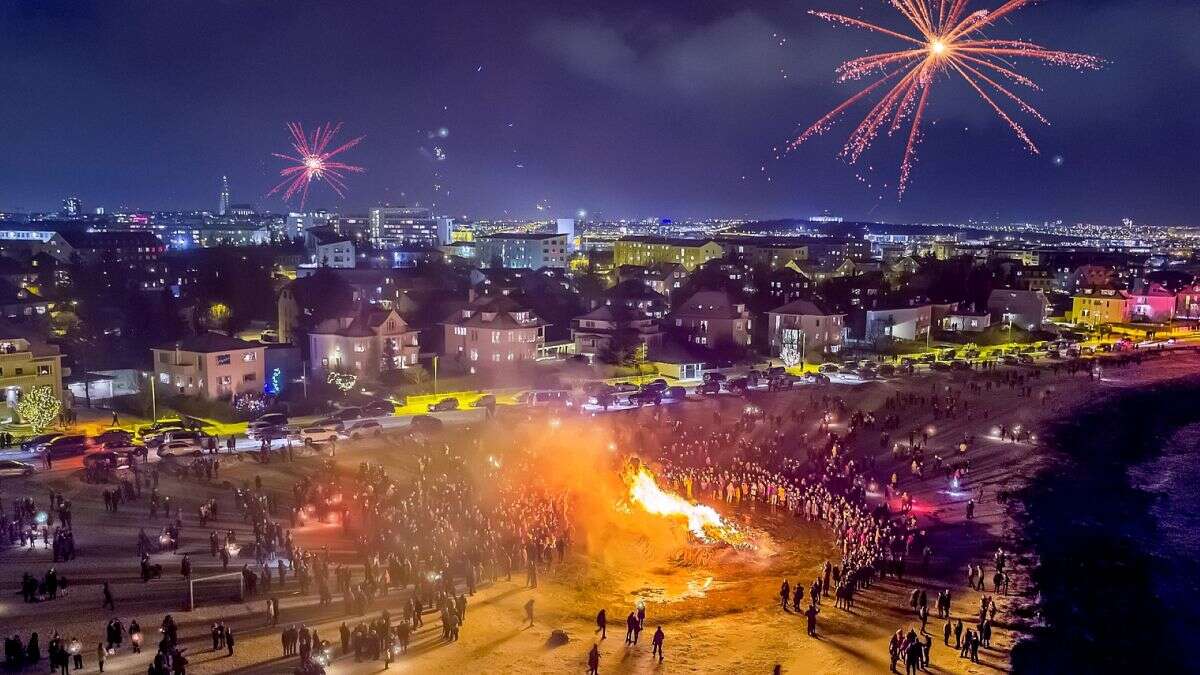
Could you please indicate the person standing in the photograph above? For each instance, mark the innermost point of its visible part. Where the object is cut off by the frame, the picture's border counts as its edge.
(101, 655)
(229, 641)
(656, 644)
(602, 624)
(108, 598)
(594, 660)
(529, 611)
(811, 613)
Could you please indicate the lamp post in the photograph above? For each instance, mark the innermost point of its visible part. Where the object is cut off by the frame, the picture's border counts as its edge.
(435, 383)
(153, 401)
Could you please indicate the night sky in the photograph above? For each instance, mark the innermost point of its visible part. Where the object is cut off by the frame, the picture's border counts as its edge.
(625, 108)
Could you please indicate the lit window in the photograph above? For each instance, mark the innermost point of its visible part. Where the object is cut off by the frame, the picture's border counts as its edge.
(249, 357)
(222, 359)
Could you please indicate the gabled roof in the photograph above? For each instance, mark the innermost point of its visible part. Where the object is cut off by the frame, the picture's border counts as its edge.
(501, 306)
(708, 305)
(804, 308)
(208, 343)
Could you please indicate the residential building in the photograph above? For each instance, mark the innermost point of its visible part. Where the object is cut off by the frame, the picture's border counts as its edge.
(333, 250)
(523, 250)
(365, 345)
(493, 331)
(646, 251)
(901, 323)
(608, 329)
(1024, 308)
(1152, 302)
(1098, 306)
(765, 252)
(397, 225)
(787, 284)
(1187, 302)
(664, 279)
(711, 319)
(1036, 279)
(966, 322)
(27, 361)
(210, 365)
(804, 325)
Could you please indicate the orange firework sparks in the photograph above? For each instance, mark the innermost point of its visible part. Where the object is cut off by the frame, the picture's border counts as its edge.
(950, 41)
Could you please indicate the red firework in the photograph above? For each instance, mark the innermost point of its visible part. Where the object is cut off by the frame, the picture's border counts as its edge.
(312, 162)
(948, 41)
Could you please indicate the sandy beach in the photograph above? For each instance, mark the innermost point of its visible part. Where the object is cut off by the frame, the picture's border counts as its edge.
(720, 612)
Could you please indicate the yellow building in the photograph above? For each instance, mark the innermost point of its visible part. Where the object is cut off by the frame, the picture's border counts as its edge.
(647, 251)
(1096, 306)
(27, 362)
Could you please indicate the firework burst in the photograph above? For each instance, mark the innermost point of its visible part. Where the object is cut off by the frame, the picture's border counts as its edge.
(947, 41)
(313, 161)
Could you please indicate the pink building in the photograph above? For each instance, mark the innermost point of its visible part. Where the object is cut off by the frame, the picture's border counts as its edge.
(1152, 302)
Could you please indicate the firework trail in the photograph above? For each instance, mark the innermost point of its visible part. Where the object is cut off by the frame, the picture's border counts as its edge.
(312, 161)
(947, 41)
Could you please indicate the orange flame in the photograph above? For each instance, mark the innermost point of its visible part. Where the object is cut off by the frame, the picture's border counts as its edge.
(704, 523)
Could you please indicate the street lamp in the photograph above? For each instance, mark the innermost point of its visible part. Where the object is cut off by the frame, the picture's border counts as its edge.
(153, 401)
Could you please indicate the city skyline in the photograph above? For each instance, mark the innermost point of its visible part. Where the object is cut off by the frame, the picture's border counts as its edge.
(631, 113)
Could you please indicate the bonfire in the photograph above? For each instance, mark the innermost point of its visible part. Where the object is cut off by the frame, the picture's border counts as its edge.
(703, 522)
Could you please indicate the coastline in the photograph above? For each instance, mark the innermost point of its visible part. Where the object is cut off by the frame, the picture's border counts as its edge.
(1092, 533)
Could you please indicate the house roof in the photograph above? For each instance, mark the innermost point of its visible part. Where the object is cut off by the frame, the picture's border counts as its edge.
(103, 240)
(208, 343)
(501, 306)
(804, 308)
(708, 305)
(524, 235)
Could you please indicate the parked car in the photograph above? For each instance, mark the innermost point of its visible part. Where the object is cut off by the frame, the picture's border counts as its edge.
(1025, 359)
(908, 367)
(379, 409)
(674, 394)
(67, 446)
(197, 438)
(542, 398)
(38, 443)
(646, 397)
(425, 424)
(625, 388)
(259, 430)
(360, 428)
(109, 459)
(659, 385)
(887, 370)
(940, 366)
(1010, 359)
(710, 388)
(11, 467)
(181, 448)
(159, 426)
(776, 371)
(317, 434)
(114, 436)
(157, 437)
(739, 385)
(347, 414)
(959, 364)
(444, 405)
(714, 376)
(485, 401)
(828, 368)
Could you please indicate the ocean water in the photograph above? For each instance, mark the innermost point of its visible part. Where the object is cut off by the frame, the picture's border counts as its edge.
(1115, 524)
(1173, 480)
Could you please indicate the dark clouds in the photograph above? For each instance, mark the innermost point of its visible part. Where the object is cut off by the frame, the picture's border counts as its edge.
(626, 108)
